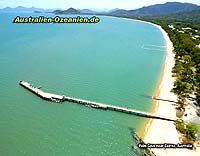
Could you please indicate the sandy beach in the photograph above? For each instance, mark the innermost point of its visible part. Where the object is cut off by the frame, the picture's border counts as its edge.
(159, 131)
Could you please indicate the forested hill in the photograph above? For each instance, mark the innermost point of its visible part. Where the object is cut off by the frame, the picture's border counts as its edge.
(191, 17)
(158, 9)
(68, 11)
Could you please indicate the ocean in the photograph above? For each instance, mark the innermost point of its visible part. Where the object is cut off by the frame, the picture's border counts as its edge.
(116, 61)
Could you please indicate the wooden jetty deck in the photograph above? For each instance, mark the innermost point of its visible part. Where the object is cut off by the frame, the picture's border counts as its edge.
(62, 98)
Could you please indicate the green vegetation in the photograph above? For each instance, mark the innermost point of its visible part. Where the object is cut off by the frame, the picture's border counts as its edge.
(190, 131)
(187, 59)
(185, 40)
(189, 17)
(180, 126)
(185, 36)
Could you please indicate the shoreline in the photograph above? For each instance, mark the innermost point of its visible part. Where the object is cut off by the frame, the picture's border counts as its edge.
(158, 131)
(161, 131)
(164, 76)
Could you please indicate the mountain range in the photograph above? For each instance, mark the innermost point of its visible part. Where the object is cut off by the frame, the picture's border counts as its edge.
(68, 11)
(158, 9)
(24, 9)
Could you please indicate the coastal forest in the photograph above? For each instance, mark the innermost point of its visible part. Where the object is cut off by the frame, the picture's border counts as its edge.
(185, 36)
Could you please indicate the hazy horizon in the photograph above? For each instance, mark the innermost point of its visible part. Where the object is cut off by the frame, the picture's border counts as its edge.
(87, 4)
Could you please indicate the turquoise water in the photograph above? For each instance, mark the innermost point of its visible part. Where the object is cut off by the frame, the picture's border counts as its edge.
(104, 62)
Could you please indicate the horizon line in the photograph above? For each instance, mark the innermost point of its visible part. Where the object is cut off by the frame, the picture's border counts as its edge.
(99, 9)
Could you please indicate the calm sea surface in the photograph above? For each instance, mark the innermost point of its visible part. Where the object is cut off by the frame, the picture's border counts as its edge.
(116, 61)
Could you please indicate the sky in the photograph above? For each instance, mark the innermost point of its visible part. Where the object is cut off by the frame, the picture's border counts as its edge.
(87, 4)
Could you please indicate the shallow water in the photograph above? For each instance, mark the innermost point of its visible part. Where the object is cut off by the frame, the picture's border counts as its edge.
(104, 62)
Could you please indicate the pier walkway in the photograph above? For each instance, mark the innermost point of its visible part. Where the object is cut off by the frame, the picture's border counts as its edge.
(42, 94)
(62, 98)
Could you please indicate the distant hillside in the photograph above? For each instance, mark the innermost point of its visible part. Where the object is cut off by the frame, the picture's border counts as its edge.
(87, 11)
(158, 9)
(24, 9)
(191, 17)
(68, 11)
(169, 7)
(80, 11)
(120, 12)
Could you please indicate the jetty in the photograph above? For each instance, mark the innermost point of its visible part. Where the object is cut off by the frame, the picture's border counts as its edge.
(44, 95)
(61, 98)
